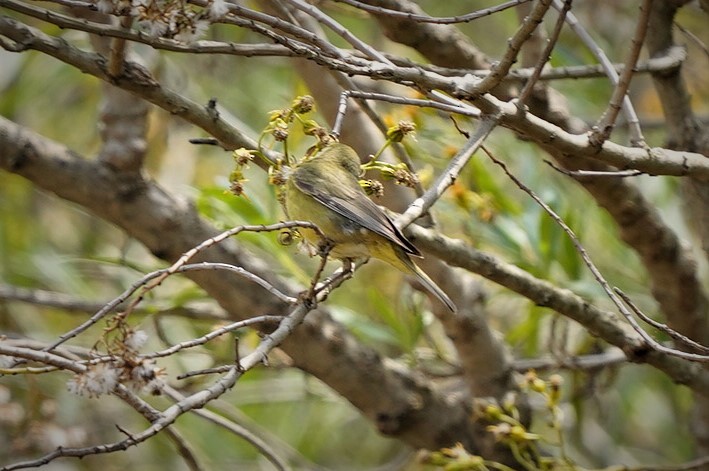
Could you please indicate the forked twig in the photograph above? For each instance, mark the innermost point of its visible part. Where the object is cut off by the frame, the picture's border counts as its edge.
(420, 205)
(661, 327)
(604, 127)
(545, 57)
(151, 280)
(610, 292)
(441, 20)
(597, 51)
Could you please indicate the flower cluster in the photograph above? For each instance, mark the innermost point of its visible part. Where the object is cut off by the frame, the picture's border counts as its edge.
(98, 379)
(167, 18)
(454, 458)
(128, 368)
(372, 187)
(242, 158)
(398, 132)
(278, 130)
(280, 120)
(399, 172)
(508, 428)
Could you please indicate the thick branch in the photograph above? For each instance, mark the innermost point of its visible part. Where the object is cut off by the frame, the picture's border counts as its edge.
(687, 133)
(135, 79)
(655, 161)
(603, 324)
(445, 41)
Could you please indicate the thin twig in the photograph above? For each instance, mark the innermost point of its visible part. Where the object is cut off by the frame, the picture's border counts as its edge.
(673, 59)
(311, 293)
(583, 362)
(232, 232)
(247, 18)
(184, 449)
(546, 55)
(672, 333)
(40, 356)
(198, 47)
(151, 280)
(213, 334)
(442, 20)
(501, 69)
(242, 272)
(205, 371)
(195, 401)
(365, 48)
(109, 307)
(694, 38)
(239, 430)
(75, 4)
(630, 114)
(610, 292)
(339, 276)
(347, 94)
(166, 418)
(603, 128)
(656, 161)
(72, 304)
(340, 30)
(594, 173)
(420, 205)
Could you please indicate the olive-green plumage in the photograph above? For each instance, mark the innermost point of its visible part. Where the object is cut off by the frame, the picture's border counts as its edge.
(325, 191)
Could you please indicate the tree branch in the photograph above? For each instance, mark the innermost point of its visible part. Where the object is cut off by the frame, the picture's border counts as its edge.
(654, 161)
(399, 403)
(603, 324)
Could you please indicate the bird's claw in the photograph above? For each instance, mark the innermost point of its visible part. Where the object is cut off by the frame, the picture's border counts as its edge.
(324, 247)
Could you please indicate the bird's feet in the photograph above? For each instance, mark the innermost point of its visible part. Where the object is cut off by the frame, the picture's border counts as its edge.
(324, 247)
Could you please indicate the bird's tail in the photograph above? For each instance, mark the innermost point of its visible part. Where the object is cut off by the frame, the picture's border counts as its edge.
(397, 257)
(433, 288)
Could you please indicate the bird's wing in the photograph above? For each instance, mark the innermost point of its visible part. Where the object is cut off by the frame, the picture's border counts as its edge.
(353, 204)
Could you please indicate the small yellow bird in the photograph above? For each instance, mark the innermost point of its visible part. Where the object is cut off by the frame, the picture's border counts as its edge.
(325, 190)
